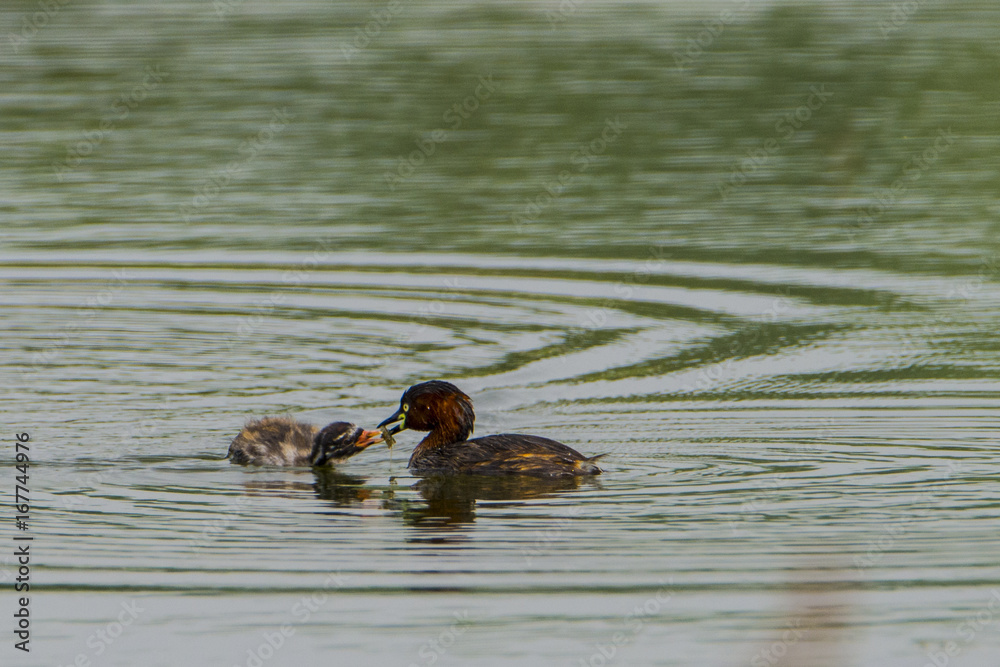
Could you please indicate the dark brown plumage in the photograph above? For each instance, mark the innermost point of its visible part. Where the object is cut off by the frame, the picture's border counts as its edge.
(279, 441)
(444, 410)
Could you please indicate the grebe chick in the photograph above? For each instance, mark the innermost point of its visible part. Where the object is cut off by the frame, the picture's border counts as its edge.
(279, 441)
(441, 408)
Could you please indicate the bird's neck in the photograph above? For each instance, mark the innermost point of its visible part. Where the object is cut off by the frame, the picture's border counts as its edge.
(445, 434)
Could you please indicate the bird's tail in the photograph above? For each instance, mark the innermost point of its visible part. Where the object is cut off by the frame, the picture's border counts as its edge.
(588, 467)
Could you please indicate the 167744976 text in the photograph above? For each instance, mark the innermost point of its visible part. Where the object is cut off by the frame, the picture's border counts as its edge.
(22, 542)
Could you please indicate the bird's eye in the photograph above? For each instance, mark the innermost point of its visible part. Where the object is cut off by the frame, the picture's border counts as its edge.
(406, 406)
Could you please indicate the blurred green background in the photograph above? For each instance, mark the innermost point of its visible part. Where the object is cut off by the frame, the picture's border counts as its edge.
(693, 115)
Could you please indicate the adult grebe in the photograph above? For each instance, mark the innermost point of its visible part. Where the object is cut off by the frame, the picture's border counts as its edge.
(279, 441)
(441, 408)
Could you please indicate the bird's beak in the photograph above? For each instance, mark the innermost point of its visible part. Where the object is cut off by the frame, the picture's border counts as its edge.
(368, 438)
(395, 423)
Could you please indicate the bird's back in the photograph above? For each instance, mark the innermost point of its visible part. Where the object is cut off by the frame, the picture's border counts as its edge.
(276, 441)
(506, 453)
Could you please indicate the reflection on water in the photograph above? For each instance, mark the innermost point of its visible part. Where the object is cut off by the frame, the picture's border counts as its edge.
(438, 501)
(452, 499)
(340, 488)
(754, 260)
